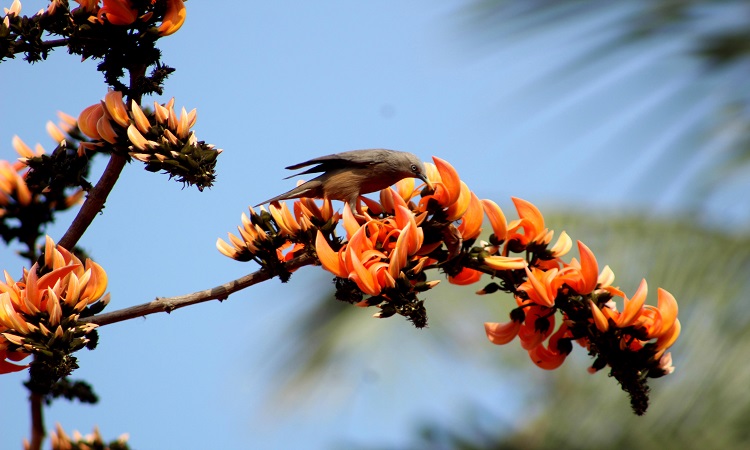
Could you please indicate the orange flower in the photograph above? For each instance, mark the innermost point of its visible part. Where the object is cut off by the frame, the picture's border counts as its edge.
(502, 333)
(465, 277)
(530, 221)
(550, 357)
(496, 218)
(118, 12)
(174, 17)
(48, 305)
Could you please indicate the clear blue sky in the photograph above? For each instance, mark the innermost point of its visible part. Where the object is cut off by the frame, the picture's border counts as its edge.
(275, 84)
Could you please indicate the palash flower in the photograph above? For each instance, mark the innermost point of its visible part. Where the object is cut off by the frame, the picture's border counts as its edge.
(376, 252)
(61, 441)
(384, 252)
(39, 312)
(117, 12)
(124, 13)
(162, 139)
(633, 329)
(15, 192)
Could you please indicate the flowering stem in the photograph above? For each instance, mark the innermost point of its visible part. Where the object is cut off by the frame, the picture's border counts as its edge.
(94, 201)
(98, 195)
(221, 292)
(37, 421)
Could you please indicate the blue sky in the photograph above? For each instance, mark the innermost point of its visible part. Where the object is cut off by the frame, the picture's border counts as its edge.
(275, 84)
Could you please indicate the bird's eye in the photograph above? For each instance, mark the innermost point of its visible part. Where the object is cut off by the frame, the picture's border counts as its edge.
(414, 168)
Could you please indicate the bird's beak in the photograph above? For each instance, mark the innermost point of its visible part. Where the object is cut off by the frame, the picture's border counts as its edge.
(423, 177)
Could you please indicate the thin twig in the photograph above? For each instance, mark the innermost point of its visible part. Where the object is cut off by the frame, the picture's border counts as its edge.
(221, 292)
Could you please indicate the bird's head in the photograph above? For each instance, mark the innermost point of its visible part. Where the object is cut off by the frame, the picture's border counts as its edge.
(412, 166)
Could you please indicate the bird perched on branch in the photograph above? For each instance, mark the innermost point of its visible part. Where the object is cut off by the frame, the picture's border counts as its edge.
(347, 175)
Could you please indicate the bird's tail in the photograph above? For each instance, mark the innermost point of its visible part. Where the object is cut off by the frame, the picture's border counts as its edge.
(308, 189)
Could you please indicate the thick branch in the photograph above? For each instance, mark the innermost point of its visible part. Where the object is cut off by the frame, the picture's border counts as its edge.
(37, 422)
(94, 201)
(221, 292)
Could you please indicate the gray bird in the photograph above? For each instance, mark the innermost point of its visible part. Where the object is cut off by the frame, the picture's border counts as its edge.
(348, 175)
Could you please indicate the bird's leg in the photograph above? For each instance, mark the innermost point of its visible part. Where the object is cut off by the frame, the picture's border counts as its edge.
(356, 206)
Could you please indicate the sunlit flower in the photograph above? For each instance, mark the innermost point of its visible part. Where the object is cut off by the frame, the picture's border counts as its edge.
(174, 17)
(36, 308)
(118, 12)
(60, 440)
(162, 139)
(14, 10)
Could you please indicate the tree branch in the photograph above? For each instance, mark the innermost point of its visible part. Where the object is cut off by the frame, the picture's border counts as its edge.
(94, 201)
(221, 292)
(37, 421)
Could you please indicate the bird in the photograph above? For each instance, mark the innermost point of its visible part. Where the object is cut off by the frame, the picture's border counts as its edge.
(347, 175)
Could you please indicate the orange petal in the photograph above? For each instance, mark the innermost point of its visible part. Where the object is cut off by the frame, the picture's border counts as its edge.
(531, 213)
(449, 180)
(501, 333)
(471, 222)
(599, 320)
(457, 209)
(174, 17)
(465, 277)
(88, 118)
(668, 309)
(505, 263)
(589, 268)
(496, 218)
(116, 108)
(667, 339)
(350, 223)
(361, 275)
(539, 287)
(632, 307)
(330, 260)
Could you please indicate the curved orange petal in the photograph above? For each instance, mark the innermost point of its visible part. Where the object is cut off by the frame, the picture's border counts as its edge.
(589, 269)
(361, 275)
(501, 333)
(667, 339)
(351, 226)
(471, 222)
(599, 319)
(527, 210)
(328, 258)
(174, 17)
(457, 209)
(505, 262)
(88, 118)
(632, 307)
(668, 309)
(496, 218)
(539, 287)
(465, 277)
(449, 180)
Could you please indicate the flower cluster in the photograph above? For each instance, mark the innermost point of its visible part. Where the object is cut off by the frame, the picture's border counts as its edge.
(160, 138)
(168, 14)
(61, 441)
(39, 313)
(380, 258)
(127, 12)
(29, 191)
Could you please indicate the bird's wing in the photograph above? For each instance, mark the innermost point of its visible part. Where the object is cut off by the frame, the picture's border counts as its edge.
(343, 159)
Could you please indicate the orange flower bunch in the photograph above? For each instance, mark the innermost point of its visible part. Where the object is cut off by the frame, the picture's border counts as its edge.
(15, 193)
(39, 313)
(61, 441)
(123, 13)
(162, 139)
(383, 253)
